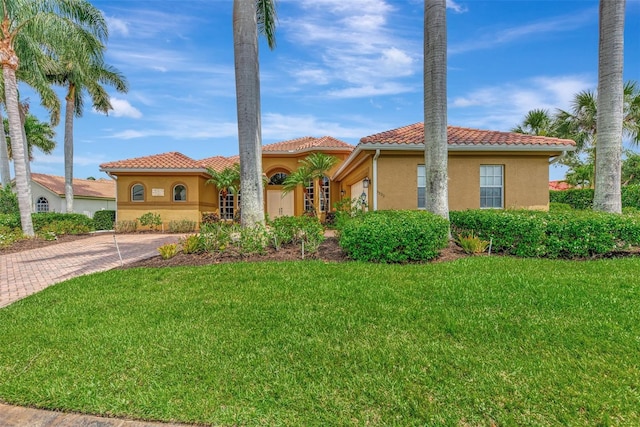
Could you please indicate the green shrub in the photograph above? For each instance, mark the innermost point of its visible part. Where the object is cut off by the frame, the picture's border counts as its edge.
(8, 201)
(253, 240)
(578, 198)
(217, 236)
(471, 243)
(104, 220)
(182, 226)
(9, 235)
(630, 196)
(395, 236)
(168, 251)
(569, 234)
(10, 220)
(60, 228)
(297, 229)
(191, 244)
(210, 218)
(70, 222)
(126, 226)
(559, 207)
(151, 220)
(520, 233)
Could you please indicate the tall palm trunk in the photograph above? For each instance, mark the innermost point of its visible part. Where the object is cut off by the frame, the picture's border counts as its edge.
(245, 49)
(610, 105)
(18, 148)
(5, 172)
(68, 148)
(435, 106)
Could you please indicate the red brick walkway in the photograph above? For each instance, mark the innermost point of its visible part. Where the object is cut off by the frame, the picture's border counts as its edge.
(27, 272)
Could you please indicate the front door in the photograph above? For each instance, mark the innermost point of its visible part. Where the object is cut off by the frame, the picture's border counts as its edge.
(279, 204)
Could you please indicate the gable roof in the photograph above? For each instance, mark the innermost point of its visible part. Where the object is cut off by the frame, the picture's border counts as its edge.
(165, 161)
(307, 143)
(468, 138)
(101, 188)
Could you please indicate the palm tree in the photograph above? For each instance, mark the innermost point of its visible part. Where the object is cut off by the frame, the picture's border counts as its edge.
(29, 30)
(82, 71)
(5, 172)
(227, 180)
(537, 122)
(607, 195)
(39, 135)
(249, 18)
(303, 176)
(435, 106)
(313, 167)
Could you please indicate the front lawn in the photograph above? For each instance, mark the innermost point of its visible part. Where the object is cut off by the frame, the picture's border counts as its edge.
(479, 341)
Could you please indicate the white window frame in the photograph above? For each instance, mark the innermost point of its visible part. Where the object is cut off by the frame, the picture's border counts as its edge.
(422, 184)
(325, 191)
(490, 179)
(227, 210)
(309, 204)
(42, 205)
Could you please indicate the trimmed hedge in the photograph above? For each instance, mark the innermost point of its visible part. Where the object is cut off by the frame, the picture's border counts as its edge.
(573, 234)
(41, 220)
(582, 198)
(395, 236)
(104, 220)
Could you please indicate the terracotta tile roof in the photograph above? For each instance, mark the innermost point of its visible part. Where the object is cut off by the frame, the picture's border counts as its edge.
(101, 188)
(307, 143)
(459, 136)
(172, 160)
(559, 185)
(218, 163)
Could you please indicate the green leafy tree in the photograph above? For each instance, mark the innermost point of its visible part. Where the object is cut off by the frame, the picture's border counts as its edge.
(250, 17)
(631, 169)
(31, 31)
(312, 168)
(39, 135)
(537, 122)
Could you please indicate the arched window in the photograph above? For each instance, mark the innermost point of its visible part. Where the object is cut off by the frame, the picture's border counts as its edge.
(137, 193)
(227, 208)
(325, 198)
(180, 193)
(278, 178)
(42, 205)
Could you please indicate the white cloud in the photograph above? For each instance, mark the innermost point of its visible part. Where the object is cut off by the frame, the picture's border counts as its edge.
(456, 7)
(279, 127)
(117, 26)
(122, 108)
(504, 106)
(495, 37)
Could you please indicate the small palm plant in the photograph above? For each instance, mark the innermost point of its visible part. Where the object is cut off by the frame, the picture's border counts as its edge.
(314, 166)
(227, 180)
(471, 243)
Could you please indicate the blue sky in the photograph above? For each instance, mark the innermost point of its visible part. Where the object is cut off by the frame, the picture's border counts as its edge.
(344, 68)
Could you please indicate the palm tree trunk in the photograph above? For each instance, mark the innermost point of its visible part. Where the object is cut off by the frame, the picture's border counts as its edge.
(5, 172)
(435, 106)
(68, 149)
(607, 197)
(18, 147)
(245, 48)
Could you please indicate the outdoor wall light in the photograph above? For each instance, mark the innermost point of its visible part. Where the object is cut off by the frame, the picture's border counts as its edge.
(342, 193)
(365, 182)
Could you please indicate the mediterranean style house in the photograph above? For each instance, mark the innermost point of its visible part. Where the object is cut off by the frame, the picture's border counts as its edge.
(487, 169)
(89, 196)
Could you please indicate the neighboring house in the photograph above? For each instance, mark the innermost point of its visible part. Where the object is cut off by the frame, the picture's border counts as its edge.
(487, 169)
(89, 196)
(559, 185)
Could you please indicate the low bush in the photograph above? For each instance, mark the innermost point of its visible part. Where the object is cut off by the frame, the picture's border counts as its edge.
(582, 198)
(10, 220)
(210, 218)
(168, 251)
(8, 201)
(569, 234)
(253, 240)
(630, 196)
(559, 207)
(471, 244)
(217, 236)
(72, 223)
(191, 244)
(59, 228)
(182, 226)
(126, 226)
(104, 220)
(297, 229)
(151, 220)
(395, 236)
(9, 235)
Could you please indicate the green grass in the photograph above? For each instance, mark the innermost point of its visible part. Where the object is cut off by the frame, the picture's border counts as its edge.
(478, 341)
